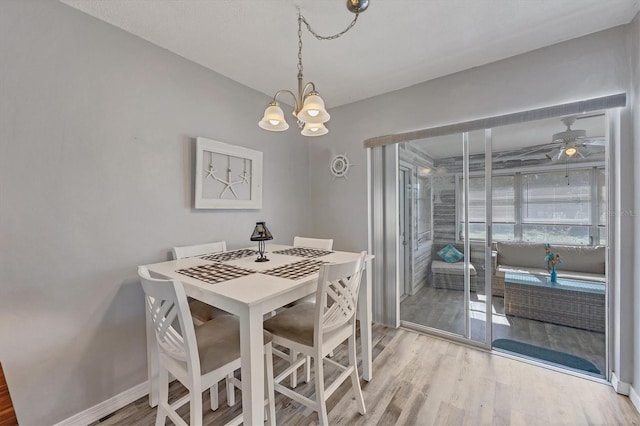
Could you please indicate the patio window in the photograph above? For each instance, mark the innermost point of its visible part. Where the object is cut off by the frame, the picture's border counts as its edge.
(548, 207)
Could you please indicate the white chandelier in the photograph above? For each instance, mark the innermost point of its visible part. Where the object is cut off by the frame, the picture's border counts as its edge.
(308, 106)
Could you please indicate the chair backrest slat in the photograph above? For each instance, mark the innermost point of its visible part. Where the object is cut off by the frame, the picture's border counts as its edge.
(337, 296)
(166, 304)
(317, 243)
(199, 249)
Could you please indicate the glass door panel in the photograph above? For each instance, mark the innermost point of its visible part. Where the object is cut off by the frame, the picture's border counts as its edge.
(440, 299)
(550, 191)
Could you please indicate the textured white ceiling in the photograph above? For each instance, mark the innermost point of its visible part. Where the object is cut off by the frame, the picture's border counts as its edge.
(395, 44)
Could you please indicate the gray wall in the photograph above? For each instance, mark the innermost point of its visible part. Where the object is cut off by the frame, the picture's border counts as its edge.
(96, 164)
(589, 66)
(586, 67)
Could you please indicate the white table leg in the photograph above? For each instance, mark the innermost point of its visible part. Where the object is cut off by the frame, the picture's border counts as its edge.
(252, 364)
(152, 362)
(364, 311)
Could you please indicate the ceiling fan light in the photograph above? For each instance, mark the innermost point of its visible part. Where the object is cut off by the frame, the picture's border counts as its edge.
(571, 151)
(273, 119)
(314, 129)
(313, 110)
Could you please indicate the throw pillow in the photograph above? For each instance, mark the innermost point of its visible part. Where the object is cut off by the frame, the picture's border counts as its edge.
(450, 254)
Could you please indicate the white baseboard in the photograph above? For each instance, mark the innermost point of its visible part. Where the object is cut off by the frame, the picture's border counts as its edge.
(635, 398)
(619, 386)
(107, 407)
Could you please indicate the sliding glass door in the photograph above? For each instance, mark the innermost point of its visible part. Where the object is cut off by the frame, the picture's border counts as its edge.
(517, 240)
(549, 233)
(449, 251)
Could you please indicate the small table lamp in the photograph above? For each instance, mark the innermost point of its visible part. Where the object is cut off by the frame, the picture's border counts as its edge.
(261, 234)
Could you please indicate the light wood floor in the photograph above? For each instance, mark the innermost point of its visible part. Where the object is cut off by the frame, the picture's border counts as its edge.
(444, 310)
(422, 380)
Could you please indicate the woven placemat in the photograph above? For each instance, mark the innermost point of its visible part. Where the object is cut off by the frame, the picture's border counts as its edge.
(304, 252)
(297, 270)
(229, 255)
(213, 273)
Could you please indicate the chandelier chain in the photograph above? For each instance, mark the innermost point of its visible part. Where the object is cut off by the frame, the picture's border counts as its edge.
(331, 37)
(302, 19)
(300, 67)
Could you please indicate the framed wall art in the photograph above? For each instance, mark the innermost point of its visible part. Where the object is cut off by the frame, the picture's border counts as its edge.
(227, 176)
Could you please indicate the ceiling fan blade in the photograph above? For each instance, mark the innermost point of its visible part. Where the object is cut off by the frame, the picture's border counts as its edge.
(554, 155)
(594, 141)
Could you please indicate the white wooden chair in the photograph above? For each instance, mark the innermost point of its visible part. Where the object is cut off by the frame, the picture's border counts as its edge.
(292, 356)
(318, 243)
(198, 357)
(200, 311)
(316, 329)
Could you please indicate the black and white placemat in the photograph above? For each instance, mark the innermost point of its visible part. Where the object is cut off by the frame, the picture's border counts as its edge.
(297, 270)
(229, 255)
(304, 252)
(213, 273)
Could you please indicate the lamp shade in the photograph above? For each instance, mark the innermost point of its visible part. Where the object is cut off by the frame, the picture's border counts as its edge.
(313, 110)
(312, 129)
(273, 119)
(261, 233)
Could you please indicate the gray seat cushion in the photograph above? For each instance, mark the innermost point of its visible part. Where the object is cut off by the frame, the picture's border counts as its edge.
(295, 323)
(457, 268)
(203, 312)
(219, 342)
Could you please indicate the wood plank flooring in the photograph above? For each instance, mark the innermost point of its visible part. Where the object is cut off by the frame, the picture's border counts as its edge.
(444, 310)
(422, 380)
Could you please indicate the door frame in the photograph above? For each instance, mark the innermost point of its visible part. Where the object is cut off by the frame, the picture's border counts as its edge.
(411, 224)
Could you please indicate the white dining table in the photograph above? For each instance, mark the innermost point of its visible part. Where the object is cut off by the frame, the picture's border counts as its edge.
(250, 297)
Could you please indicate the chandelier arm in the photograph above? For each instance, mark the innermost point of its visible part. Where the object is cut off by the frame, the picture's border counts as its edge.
(331, 37)
(303, 92)
(295, 100)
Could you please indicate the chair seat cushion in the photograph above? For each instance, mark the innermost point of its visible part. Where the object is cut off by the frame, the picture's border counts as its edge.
(203, 312)
(295, 323)
(219, 342)
(441, 267)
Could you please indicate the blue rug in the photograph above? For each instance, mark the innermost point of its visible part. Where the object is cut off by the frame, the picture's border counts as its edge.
(544, 354)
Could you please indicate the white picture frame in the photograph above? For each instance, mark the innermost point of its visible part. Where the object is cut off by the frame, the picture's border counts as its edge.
(227, 176)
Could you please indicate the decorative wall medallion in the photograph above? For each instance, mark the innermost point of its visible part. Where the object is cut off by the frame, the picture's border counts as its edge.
(227, 176)
(340, 165)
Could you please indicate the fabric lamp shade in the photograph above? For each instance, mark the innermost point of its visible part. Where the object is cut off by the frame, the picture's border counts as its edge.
(261, 233)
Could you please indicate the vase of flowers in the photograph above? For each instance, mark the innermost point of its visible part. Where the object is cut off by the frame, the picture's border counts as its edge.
(552, 260)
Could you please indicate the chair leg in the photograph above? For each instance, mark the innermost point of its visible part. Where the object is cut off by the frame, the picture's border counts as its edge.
(307, 370)
(231, 393)
(163, 396)
(323, 418)
(293, 357)
(213, 393)
(195, 403)
(355, 380)
(268, 383)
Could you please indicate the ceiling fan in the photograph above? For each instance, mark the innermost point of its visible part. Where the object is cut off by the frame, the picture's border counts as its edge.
(574, 143)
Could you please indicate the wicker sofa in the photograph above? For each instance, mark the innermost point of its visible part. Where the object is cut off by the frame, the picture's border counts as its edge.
(579, 262)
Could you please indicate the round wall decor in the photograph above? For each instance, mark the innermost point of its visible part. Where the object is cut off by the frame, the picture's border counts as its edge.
(340, 165)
